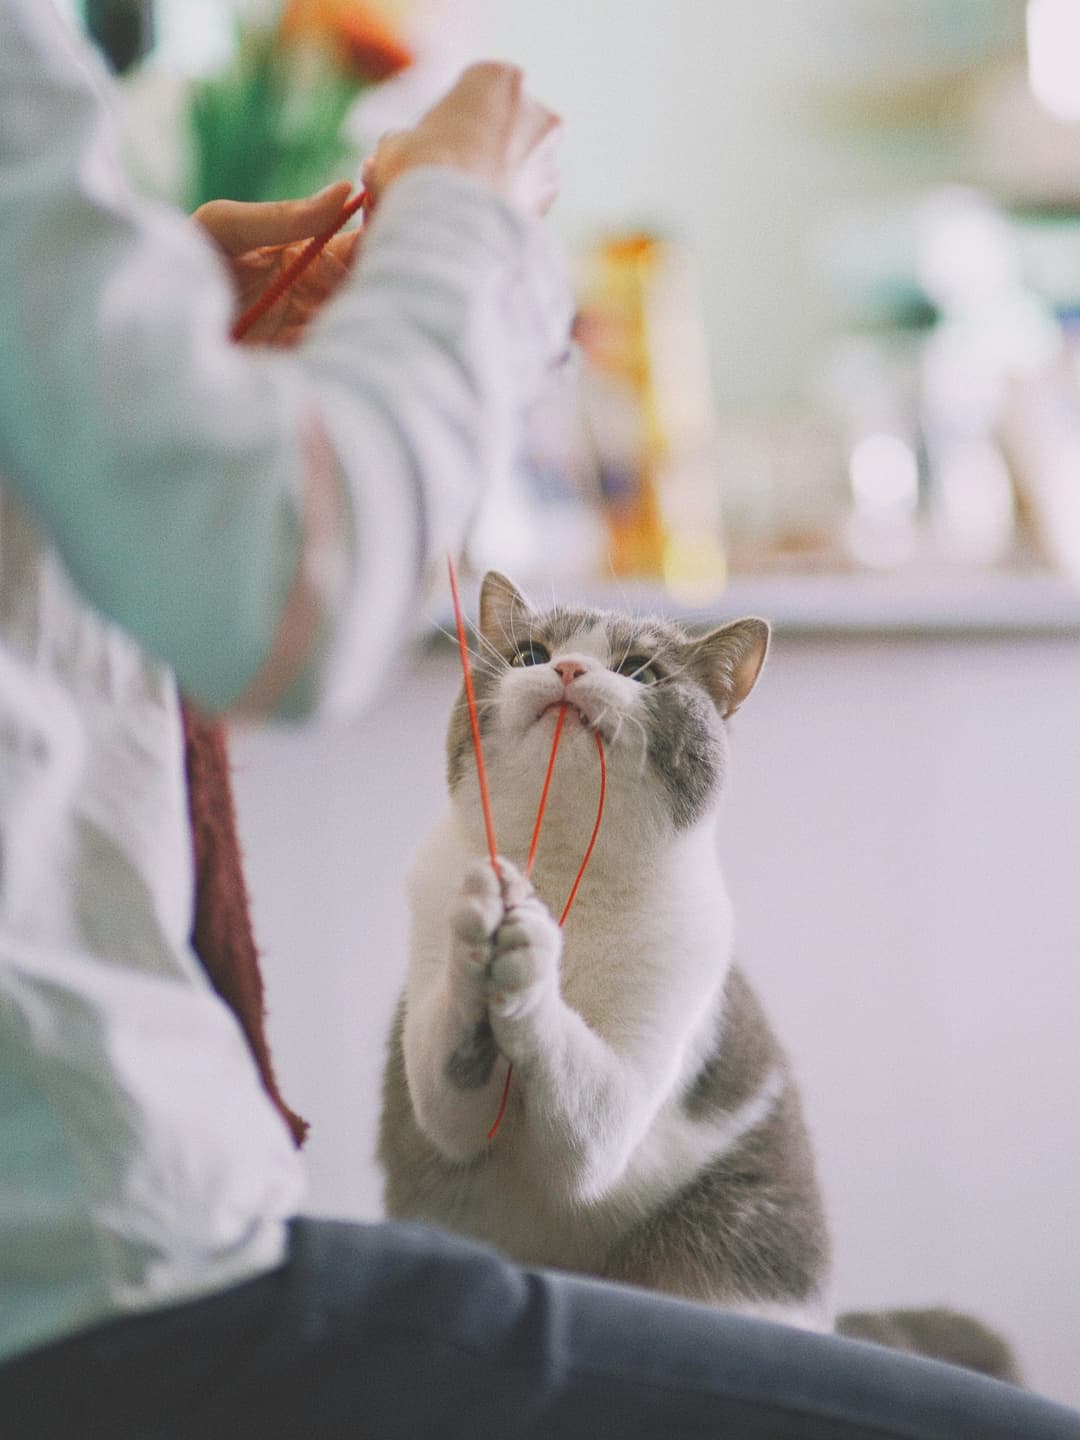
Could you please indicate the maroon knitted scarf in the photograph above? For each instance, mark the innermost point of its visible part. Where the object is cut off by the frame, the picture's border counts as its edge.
(222, 935)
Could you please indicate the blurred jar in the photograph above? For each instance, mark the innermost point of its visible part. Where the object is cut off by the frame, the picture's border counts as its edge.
(649, 408)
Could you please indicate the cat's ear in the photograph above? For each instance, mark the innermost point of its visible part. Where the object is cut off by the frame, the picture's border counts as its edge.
(503, 609)
(728, 661)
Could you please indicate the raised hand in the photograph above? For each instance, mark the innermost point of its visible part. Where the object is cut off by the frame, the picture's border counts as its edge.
(487, 126)
(259, 240)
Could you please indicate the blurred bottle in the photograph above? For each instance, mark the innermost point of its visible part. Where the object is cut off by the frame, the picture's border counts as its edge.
(869, 386)
(650, 413)
(991, 329)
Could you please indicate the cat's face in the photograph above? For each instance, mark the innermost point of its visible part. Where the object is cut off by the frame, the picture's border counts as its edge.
(656, 696)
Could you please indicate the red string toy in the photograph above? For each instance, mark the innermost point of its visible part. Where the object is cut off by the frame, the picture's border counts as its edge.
(241, 326)
(289, 276)
(485, 799)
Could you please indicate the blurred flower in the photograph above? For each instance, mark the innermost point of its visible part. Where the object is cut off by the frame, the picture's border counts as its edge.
(363, 39)
(272, 125)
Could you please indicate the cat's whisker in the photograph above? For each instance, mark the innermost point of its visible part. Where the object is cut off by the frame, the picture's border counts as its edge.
(489, 663)
(489, 650)
(492, 702)
(488, 670)
(644, 756)
(671, 673)
(445, 632)
(621, 717)
(625, 655)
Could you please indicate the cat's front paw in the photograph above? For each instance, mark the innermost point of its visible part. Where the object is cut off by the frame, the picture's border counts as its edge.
(526, 948)
(506, 945)
(475, 919)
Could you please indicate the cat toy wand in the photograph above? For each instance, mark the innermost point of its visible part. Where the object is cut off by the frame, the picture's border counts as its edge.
(241, 327)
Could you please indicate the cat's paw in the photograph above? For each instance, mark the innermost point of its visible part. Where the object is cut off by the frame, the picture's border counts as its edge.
(526, 949)
(474, 921)
(506, 945)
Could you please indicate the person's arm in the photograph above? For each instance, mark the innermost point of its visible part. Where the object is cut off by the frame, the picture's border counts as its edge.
(258, 519)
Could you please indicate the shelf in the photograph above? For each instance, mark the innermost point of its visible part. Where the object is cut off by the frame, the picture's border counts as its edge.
(995, 603)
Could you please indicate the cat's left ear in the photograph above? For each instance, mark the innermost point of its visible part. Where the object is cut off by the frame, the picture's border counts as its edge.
(728, 661)
(503, 609)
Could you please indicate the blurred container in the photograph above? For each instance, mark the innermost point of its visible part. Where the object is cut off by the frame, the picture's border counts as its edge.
(650, 413)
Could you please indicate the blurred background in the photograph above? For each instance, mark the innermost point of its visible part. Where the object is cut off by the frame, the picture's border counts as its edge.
(827, 259)
(827, 255)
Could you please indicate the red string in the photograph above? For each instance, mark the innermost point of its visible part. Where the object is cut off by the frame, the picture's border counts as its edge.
(474, 720)
(577, 878)
(544, 793)
(242, 325)
(289, 276)
(595, 829)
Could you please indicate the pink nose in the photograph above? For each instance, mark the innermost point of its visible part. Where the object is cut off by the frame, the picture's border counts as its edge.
(569, 670)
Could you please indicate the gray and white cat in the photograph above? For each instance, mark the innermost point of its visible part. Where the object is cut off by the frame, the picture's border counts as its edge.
(653, 1132)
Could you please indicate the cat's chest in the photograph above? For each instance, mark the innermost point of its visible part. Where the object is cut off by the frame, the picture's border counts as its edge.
(625, 944)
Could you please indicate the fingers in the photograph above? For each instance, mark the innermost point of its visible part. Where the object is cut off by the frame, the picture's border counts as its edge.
(487, 126)
(237, 225)
(535, 182)
(385, 162)
(343, 247)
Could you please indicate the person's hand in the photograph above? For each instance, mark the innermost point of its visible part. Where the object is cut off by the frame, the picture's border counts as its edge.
(486, 126)
(259, 240)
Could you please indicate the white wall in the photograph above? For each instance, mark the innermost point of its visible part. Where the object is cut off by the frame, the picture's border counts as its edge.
(901, 838)
(704, 118)
(684, 116)
(701, 117)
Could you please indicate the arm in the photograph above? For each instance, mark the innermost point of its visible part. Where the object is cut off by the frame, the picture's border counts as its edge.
(261, 520)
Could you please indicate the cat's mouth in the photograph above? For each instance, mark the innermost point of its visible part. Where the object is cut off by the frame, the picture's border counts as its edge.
(573, 712)
(575, 715)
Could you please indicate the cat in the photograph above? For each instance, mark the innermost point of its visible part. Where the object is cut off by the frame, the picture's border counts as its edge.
(653, 1132)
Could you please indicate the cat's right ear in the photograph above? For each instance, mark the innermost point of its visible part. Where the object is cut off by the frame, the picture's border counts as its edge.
(728, 661)
(503, 609)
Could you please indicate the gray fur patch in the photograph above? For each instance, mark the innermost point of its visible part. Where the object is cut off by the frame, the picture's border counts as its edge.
(471, 1064)
(686, 747)
(745, 1051)
(415, 1176)
(751, 1227)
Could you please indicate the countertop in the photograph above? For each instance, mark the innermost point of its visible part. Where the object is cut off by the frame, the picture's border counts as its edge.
(945, 603)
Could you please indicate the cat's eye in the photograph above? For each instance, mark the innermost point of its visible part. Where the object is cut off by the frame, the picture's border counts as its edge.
(531, 653)
(639, 667)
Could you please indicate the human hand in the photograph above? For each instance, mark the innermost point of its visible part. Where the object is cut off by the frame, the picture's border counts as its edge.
(486, 126)
(260, 240)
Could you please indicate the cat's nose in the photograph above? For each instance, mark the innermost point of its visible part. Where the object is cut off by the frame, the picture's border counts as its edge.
(568, 670)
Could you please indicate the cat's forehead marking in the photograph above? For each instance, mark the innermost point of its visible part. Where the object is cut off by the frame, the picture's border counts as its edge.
(625, 634)
(562, 628)
(590, 639)
(602, 635)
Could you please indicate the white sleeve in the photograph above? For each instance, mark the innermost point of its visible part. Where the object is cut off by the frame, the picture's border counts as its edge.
(424, 366)
(167, 465)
